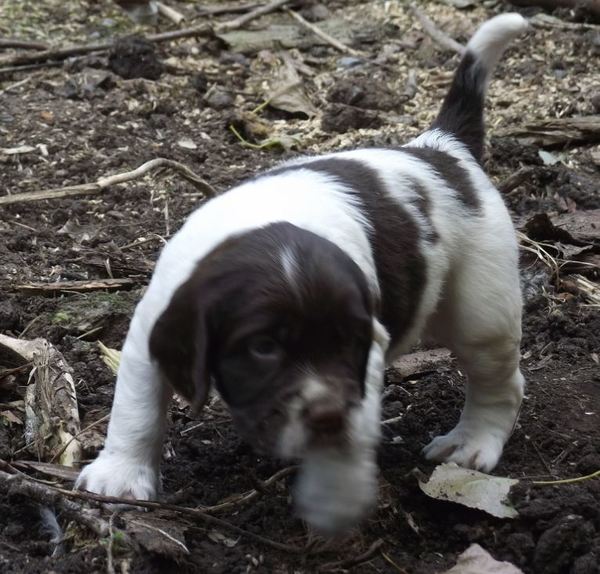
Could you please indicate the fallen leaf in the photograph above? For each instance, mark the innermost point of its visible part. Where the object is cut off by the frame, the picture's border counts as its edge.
(583, 225)
(187, 143)
(287, 92)
(219, 538)
(79, 233)
(548, 158)
(541, 228)
(11, 418)
(159, 536)
(476, 560)
(421, 362)
(471, 488)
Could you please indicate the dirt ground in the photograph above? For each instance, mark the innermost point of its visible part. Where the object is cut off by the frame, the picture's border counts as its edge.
(82, 121)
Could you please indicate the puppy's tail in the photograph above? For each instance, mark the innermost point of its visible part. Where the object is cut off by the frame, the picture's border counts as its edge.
(462, 111)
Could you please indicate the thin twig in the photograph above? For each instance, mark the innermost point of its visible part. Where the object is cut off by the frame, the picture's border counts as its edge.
(354, 561)
(323, 35)
(87, 428)
(170, 13)
(75, 286)
(104, 182)
(435, 33)
(51, 496)
(11, 69)
(250, 495)
(25, 44)
(15, 85)
(59, 54)
(513, 181)
(228, 9)
(252, 15)
(55, 495)
(161, 531)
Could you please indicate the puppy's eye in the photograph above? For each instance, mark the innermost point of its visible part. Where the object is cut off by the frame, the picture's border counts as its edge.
(264, 348)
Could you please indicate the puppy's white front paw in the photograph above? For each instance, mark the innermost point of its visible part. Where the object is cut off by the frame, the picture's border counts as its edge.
(114, 474)
(469, 446)
(334, 493)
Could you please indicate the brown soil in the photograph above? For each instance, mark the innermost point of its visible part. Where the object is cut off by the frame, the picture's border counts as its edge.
(95, 123)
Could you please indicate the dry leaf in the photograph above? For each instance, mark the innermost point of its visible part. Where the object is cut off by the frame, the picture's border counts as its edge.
(51, 414)
(11, 418)
(422, 361)
(164, 537)
(219, 538)
(187, 143)
(287, 92)
(471, 488)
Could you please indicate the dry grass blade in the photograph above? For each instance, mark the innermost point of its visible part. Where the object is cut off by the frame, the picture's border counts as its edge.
(111, 357)
(540, 251)
(590, 289)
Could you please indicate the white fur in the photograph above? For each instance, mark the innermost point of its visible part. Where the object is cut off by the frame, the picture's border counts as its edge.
(472, 268)
(492, 37)
(290, 266)
(336, 487)
(471, 302)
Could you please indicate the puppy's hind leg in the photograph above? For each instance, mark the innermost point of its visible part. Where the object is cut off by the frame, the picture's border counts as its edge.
(480, 321)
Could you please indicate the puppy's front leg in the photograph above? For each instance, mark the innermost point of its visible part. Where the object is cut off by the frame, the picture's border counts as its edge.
(128, 466)
(337, 487)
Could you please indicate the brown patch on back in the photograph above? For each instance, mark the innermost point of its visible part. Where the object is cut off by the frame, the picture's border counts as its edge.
(394, 239)
(449, 170)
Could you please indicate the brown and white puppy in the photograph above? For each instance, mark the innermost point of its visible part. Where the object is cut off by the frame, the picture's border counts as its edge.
(291, 291)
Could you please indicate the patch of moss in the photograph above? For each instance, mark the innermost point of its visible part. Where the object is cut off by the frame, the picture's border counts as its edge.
(61, 318)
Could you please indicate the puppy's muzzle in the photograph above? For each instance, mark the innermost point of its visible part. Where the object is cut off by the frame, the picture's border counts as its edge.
(326, 419)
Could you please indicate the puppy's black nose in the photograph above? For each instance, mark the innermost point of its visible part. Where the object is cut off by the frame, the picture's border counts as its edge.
(325, 417)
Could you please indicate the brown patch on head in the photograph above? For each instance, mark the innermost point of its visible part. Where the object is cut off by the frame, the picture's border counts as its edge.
(257, 325)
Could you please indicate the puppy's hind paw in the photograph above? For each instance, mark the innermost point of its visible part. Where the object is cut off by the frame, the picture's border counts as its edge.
(478, 449)
(117, 475)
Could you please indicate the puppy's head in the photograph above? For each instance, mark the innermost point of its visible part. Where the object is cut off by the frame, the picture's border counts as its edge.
(280, 320)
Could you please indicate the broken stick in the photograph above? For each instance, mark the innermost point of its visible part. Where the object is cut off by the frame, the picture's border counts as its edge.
(441, 38)
(104, 182)
(170, 13)
(40, 288)
(200, 30)
(323, 35)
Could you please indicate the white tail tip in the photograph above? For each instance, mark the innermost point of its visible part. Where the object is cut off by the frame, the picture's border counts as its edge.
(493, 36)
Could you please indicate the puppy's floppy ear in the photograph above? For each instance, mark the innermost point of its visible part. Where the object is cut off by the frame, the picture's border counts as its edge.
(179, 343)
